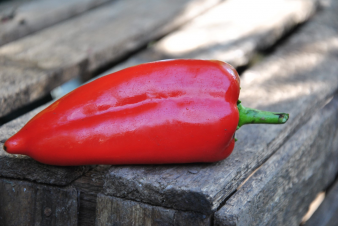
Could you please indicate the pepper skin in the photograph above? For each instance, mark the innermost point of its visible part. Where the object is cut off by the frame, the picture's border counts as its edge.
(173, 111)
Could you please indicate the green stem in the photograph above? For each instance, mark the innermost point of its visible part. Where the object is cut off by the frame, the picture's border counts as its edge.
(254, 116)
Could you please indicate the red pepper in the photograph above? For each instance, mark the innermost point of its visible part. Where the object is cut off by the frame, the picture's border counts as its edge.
(173, 111)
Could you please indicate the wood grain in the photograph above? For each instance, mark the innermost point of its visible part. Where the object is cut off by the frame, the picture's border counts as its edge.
(22, 82)
(81, 45)
(327, 212)
(115, 211)
(280, 192)
(307, 80)
(298, 78)
(21, 18)
(17, 91)
(24, 203)
(232, 32)
(88, 186)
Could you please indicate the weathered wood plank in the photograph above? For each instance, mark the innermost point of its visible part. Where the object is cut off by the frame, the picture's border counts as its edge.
(15, 91)
(232, 32)
(212, 174)
(83, 44)
(280, 192)
(327, 212)
(25, 203)
(24, 81)
(23, 167)
(88, 186)
(299, 78)
(116, 211)
(20, 18)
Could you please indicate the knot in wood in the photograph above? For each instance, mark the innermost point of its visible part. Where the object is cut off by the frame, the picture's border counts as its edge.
(47, 211)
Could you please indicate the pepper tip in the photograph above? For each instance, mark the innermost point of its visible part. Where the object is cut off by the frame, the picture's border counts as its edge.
(283, 117)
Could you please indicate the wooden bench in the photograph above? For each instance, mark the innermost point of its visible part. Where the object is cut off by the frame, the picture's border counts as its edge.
(274, 173)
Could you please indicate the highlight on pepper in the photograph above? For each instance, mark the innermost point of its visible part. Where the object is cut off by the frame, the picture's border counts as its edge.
(173, 111)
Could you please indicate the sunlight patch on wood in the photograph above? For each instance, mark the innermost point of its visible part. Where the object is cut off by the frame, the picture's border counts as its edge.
(313, 206)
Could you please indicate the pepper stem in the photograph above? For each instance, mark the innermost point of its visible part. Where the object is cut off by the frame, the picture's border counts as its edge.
(254, 116)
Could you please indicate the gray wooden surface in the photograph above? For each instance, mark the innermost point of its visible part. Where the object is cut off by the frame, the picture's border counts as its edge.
(327, 212)
(113, 211)
(232, 32)
(20, 18)
(24, 203)
(280, 192)
(298, 78)
(23, 80)
(81, 45)
(36, 78)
